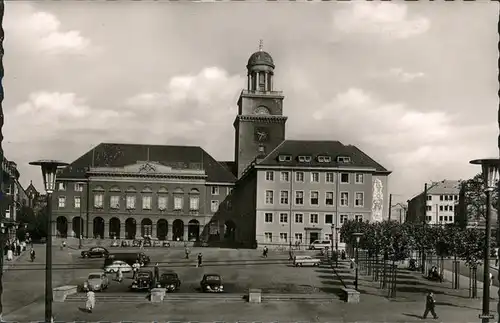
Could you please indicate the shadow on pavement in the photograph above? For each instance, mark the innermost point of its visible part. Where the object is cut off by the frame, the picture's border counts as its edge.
(83, 310)
(413, 315)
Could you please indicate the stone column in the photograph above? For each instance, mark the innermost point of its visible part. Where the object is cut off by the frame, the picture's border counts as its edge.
(70, 228)
(106, 230)
(169, 232)
(154, 230)
(266, 74)
(270, 82)
(249, 81)
(186, 228)
(256, 76)
(122, 230)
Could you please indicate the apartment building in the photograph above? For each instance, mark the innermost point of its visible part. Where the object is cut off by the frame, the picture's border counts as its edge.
(440, 203)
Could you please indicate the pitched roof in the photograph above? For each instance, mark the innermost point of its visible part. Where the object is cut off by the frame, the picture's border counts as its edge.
(445, 187)
(316, 148)
(120, 155)
(229, 165)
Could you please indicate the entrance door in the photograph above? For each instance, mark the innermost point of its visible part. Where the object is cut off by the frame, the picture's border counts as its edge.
(313, 236)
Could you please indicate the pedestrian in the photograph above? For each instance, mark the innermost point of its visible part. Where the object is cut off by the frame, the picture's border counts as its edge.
(18, 249)
(430, 305)
(157, 272)
(119, 275)
(200, 259)
(32, 254)
(264, 252)
(10, 254)
(343, 256)
(135, 269)
(90, 304)
(186, 251)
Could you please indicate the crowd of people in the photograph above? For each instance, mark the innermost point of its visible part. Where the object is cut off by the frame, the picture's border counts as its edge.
(14, 248)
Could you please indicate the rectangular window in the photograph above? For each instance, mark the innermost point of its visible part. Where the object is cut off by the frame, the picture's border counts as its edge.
(269, 197)
(283, 197)
(358, 218)
(299, 197)
(298, 237)
(359, 201)
(215, 190)
(130, 202)
(62, 201)
(114, 202)
(299, 177)
(343, 218)
(451, 207)
(98, 201)
(456, 197)
(229, 190)
(440, 218)
(162, 203)
(270, 176)
(77, 202)
(194, 203)
(441, 208)
(344, 198)
(146, 202)
(284, 176)
(313, 218)
(359, 178)
(78, 187)
(315, 177)
(214, 206)
(314, 198)
(268, 236)
(283, 217)
(344, 178)
(299, 218)
(446, 197)
(61, 187)
(268, 217)
(429, 207)
(329, 177)
(328, 218)
(283, 237)
(178, 203)
(446, 207)
(329, 198)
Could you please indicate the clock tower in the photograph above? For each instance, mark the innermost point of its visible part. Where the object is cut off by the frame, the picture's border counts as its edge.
(260, 124)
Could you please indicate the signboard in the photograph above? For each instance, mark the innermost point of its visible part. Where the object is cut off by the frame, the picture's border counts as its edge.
(489, 316)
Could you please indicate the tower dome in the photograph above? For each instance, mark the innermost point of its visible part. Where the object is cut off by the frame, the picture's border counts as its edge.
(260, 69)
(260, 58)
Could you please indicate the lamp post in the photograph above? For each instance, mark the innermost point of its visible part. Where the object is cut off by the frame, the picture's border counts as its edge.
(49, 173)
(490, 177)
(357, 236)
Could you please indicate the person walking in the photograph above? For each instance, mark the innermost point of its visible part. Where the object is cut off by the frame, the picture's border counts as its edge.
(90, 304)
(32, 254)
(157, 272)
(135, 268)
(430, 305)
(200, 259)
(264, 252)
(186, 251)
(119, 275)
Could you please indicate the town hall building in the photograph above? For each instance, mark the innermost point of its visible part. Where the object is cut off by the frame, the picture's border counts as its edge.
(276, 191)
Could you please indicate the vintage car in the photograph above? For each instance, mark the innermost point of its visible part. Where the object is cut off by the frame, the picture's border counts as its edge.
(299, 261)
(118, 264)
(170, 281)
(99, 252)
(143, 280)
(211, 283)
(320, 244)
(96, 282)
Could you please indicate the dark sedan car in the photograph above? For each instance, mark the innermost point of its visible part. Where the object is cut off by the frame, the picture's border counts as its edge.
(98, 252)
(170, 281)
(211, 283)
(143, 281)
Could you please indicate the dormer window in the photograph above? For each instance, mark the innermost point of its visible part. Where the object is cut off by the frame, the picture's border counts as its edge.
(285, 158)
(305, 159)
(343, 159)
(324, 159)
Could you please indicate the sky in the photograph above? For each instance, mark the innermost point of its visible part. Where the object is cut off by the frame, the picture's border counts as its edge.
(413, 84)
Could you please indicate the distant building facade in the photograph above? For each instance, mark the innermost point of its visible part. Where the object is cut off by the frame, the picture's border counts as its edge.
(440, 203)
(13, 196)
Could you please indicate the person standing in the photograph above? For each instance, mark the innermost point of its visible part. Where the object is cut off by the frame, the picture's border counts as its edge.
(135, 269)
(90, 304)
(186, 251)
(157, 272)
(430, 305)
(119, 275)
(200, 259)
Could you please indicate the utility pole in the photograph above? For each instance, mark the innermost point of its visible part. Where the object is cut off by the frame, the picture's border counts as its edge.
(390, 206)
(424, 221)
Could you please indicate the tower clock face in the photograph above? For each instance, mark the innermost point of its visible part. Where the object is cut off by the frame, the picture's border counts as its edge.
(261, 134)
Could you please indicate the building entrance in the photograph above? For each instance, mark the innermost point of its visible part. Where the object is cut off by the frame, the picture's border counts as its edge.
(313, 236)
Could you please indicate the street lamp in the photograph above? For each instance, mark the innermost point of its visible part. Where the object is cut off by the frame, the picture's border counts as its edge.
(357, 236)
(490, 177)
(49, 173)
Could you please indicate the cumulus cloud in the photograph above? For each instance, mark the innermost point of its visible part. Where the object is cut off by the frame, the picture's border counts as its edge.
(399, 74)
(192, 106)
(41, 30)
(386, 18)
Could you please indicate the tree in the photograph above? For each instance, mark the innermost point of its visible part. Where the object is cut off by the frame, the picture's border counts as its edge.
(36, 223)
(475, 199)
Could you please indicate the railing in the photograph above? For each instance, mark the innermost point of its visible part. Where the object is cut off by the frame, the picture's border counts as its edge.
(254, 92)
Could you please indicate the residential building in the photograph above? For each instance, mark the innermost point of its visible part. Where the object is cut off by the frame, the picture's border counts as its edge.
(440, 203)
(13, 196)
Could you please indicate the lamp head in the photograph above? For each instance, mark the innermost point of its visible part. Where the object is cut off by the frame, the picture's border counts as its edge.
(49, 172)
(357, 235)
(489, 170)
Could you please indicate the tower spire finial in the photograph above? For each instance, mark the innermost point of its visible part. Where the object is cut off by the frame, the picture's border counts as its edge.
(261, 45)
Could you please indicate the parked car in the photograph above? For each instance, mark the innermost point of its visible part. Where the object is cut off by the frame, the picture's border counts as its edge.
(99, 252)
(211, 283)
(96, 282)
(299, 261)
(320, 244)
(143, 281)
(118, 264)
(170, 281)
